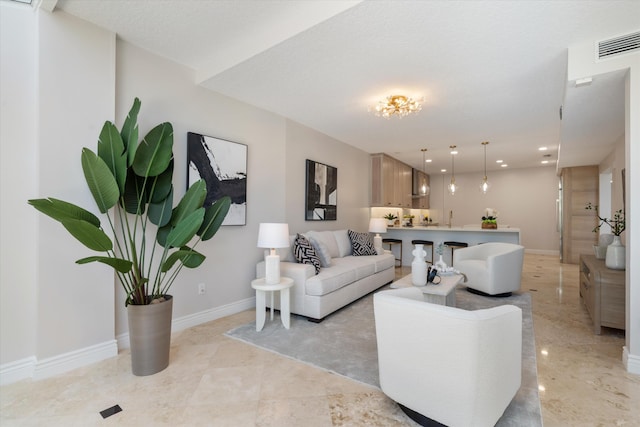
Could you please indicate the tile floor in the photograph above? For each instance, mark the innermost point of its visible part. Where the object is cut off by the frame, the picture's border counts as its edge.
(216, 381)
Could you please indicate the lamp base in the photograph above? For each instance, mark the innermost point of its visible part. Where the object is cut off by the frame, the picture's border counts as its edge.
(272, 269)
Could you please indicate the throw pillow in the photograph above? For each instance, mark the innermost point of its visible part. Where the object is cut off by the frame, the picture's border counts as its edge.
(304, 252)
(322, 251)
(361, 243)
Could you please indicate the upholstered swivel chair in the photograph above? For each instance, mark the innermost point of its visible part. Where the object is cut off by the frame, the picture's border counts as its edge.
(492, 268)
(456, 367)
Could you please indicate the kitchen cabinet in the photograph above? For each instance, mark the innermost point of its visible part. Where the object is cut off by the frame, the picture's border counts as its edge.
(602, 291)
(391, 182)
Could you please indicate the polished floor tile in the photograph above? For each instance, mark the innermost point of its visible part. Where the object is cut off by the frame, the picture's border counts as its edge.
(216, 381)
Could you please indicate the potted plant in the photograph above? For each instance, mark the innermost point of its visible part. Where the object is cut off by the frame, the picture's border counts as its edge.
(390, 219)
(490, 219)
(132, 186)
(615, 256)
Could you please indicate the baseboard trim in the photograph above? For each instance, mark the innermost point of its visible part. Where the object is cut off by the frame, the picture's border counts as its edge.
(75, 359)
(16, 371)
(190, 320)
(630, 361)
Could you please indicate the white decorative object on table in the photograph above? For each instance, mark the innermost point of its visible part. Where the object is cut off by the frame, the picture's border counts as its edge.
(615, 258)
(377, 225)
(440, 264)
(262, 288)
(273, 235)
(419, 266)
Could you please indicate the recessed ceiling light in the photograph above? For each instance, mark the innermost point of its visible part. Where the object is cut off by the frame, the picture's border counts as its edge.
(499, 161)
(454, 151)
(542, 149)
(443, 170)
(504, 165)
(544, 162)
(428, 160)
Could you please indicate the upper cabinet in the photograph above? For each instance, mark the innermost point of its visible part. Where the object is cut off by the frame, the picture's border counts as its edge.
(391, 182)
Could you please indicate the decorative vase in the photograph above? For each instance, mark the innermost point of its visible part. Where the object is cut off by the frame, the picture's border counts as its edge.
(600, 251)
(150, 336)
(440, 264)
(419, 266)
(615, 258)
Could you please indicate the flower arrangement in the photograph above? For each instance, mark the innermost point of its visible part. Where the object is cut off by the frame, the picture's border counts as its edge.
(490, 218)
(617, 223)
(440, 248)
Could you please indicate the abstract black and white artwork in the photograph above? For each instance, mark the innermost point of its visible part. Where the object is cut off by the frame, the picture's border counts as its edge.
(322, 192)
(223, 166)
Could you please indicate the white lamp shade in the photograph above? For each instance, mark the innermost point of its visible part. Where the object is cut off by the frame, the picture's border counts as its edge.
(273, 235)
(377, 225)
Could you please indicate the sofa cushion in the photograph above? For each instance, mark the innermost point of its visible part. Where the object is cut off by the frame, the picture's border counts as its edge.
(304, 252)
(322, 251)
(344, 243)
(361, 243)
(327, 238)
(363, 266)
(330, 279)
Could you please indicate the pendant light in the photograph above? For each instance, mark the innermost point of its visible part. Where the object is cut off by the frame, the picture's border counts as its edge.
(424, 187)
(484, 186)
(452, 187)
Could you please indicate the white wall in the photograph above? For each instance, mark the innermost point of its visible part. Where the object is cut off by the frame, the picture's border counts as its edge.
(17, 165)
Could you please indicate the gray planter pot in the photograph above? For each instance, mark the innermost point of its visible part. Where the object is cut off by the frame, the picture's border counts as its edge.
(150, 336)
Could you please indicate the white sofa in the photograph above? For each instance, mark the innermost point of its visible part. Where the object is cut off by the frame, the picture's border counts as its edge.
(457, 367)
(344, 280)
(492, 268)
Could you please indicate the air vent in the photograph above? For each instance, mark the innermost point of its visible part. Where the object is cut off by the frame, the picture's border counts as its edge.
(619, 45)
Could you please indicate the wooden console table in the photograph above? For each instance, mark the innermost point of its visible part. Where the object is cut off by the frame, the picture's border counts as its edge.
(603, 292)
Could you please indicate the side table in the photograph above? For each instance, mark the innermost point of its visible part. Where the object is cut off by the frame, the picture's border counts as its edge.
(261, 299)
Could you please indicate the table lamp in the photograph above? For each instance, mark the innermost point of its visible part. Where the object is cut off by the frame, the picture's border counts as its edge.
(271, 236)
(377, 225)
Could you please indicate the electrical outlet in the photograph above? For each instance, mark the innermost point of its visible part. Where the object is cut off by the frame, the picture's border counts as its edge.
(201, 288)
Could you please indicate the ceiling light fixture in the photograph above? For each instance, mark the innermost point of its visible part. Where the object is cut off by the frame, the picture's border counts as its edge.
(452, 187)
(397, 105)
(424, 188)
(484, 186)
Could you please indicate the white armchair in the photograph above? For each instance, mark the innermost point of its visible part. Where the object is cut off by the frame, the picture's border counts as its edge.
(492, 268)
(457, 367)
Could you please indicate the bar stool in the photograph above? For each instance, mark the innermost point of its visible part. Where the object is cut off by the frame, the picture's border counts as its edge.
(455, 245)
(425, 243)
(392, 242)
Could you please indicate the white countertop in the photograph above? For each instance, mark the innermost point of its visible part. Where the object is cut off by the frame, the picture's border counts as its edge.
(454, 228)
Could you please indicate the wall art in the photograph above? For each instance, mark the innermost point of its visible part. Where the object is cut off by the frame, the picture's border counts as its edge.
(223, 166)
(321, 192)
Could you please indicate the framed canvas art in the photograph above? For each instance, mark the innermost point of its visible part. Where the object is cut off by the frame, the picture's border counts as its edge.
(321, 192)
(223, 166)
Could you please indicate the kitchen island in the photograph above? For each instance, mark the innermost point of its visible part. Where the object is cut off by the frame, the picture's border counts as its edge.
(470, 235)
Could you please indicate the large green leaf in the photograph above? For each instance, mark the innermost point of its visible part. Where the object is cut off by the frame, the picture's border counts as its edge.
(186, 229)
(158, 188)
(160, 213)
(134, 198)
(61, 210)
(155, 151)
(111, 150)
(88, 234)
(187, 256)
(129, 131)
(192, 200)
(100, 180)
(162, 234)
(213, 218)
(121, 265)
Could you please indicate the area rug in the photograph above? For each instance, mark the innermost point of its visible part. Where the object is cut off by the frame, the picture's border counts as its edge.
(345, 344)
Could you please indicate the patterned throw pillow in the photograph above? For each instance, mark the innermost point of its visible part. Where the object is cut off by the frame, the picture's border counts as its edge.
(304, 252)
(361, 243)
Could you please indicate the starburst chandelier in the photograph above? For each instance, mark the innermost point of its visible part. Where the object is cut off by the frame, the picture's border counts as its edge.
(397, 105)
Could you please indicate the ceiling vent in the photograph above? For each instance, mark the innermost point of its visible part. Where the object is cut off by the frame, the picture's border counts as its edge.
(619, 45)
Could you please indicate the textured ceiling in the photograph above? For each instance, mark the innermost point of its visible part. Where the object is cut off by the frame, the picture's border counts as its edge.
(488, 70)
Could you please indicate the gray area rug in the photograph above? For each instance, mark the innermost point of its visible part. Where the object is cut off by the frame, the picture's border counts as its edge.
(345, 344)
